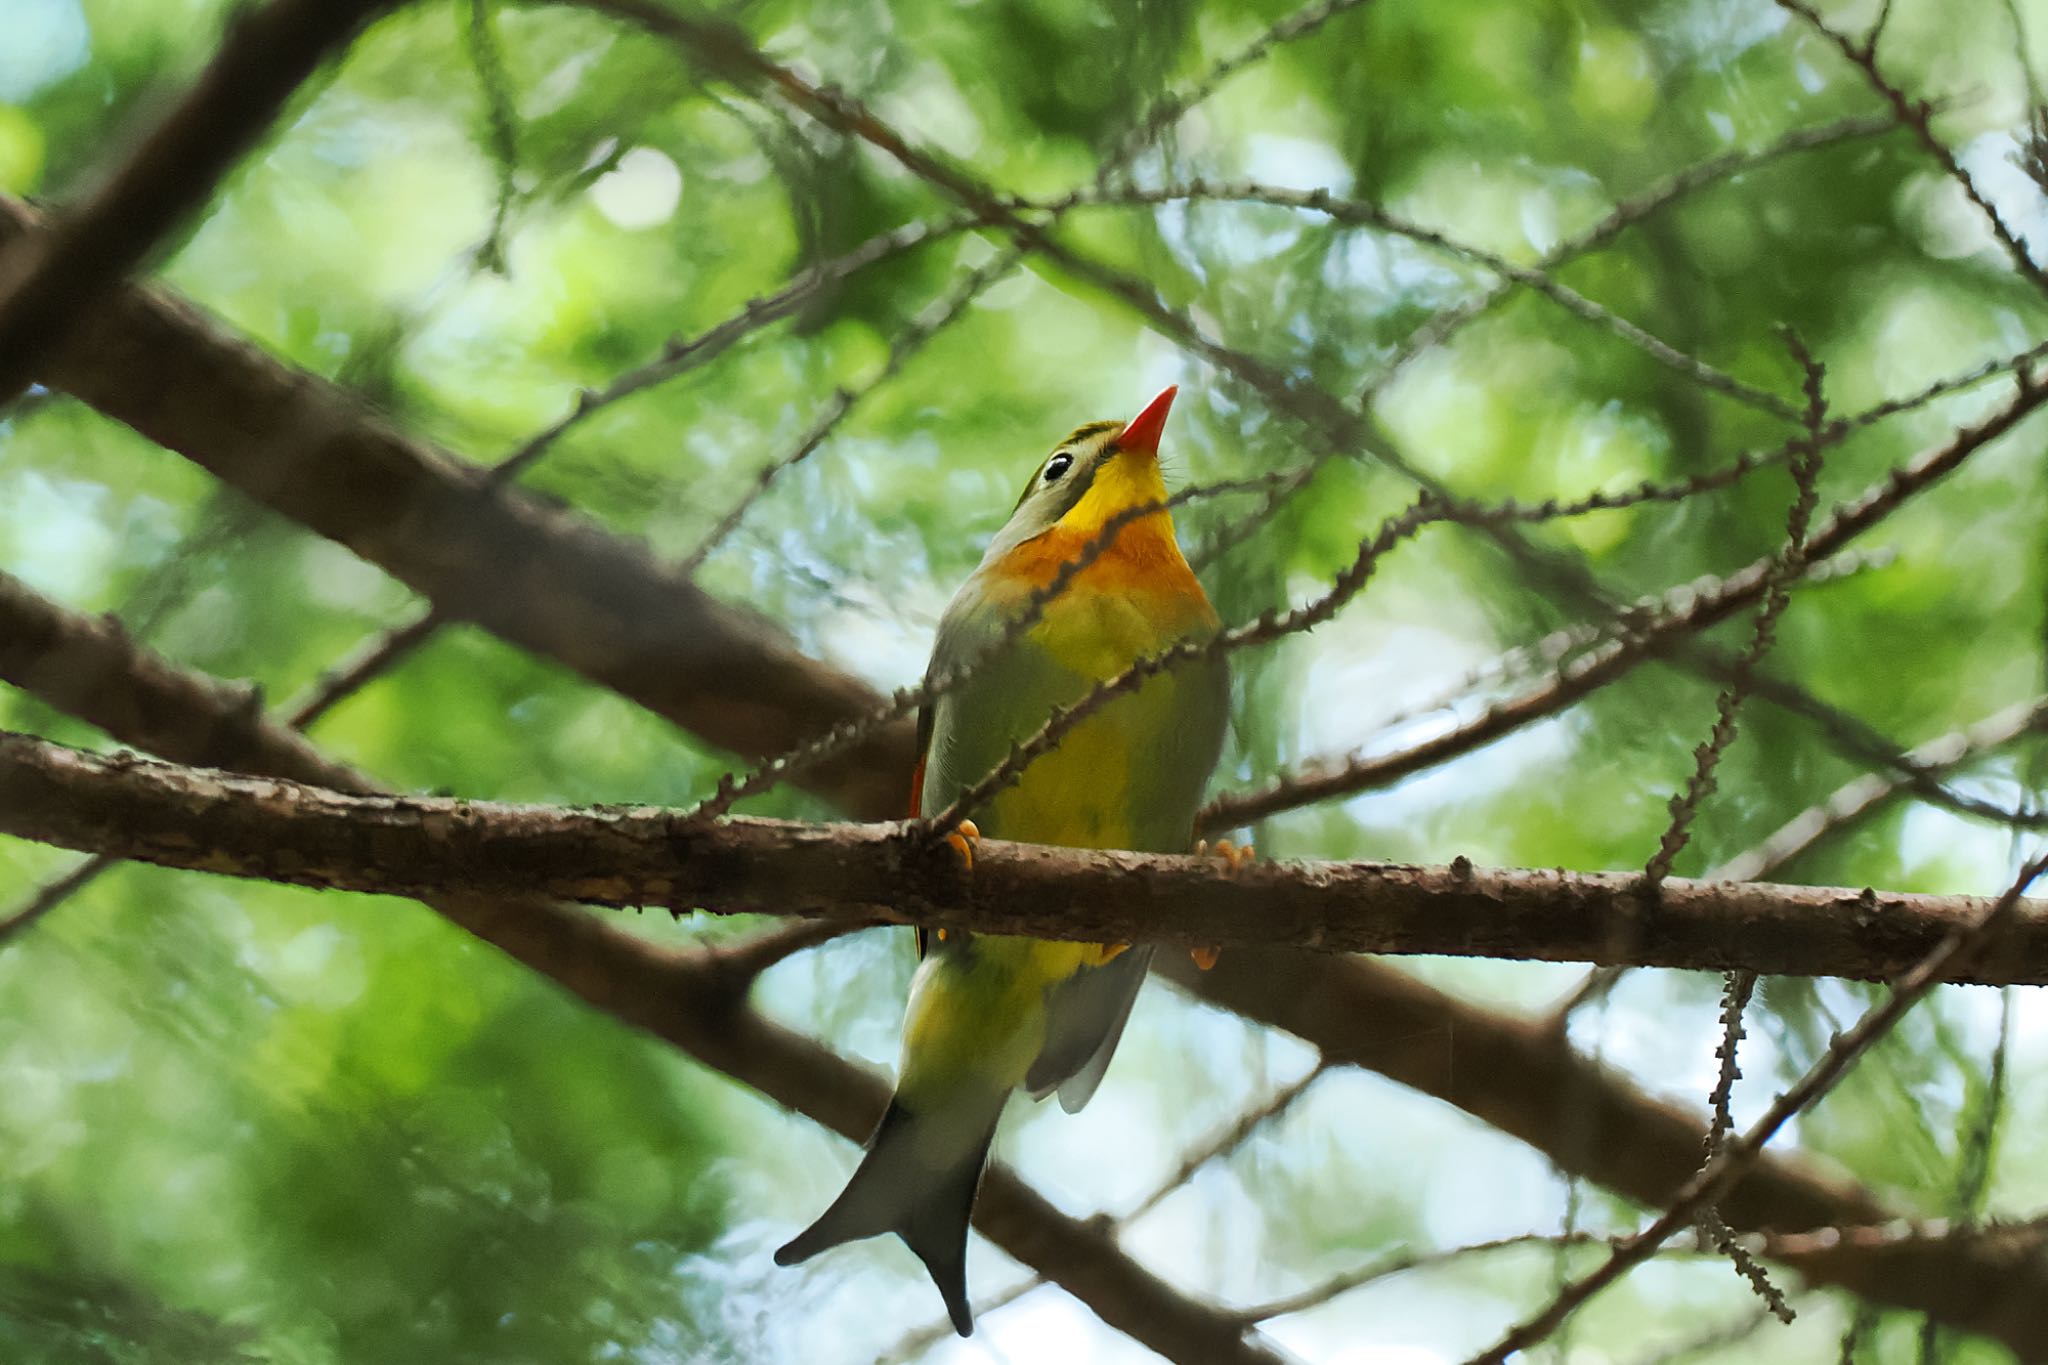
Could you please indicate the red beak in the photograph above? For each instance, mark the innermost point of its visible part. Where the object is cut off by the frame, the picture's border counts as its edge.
(1142, 435)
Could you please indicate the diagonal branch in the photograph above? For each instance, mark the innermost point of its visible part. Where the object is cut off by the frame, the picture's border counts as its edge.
(1518, 1076)
(691, 999)
(48, 280)
(1650, 640)
(538, 576)
(1949, 957)
(1918, 115)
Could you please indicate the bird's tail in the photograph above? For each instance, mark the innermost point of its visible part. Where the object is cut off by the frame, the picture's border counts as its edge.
(917, 1180)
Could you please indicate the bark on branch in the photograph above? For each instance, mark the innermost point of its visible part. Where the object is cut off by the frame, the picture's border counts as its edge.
(212, 821)
(49, 278)
(695, 1001)
(539, 577)
(1520, 1076)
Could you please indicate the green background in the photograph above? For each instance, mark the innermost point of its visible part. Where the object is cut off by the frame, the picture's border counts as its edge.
(240, 1122)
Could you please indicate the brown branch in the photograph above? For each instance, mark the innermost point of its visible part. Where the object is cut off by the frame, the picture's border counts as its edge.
(1951, 956)
(1684, 808)
(1777, 595)
(1523, 1078)
(1330, 425)
(693, 1000)
(1651, 640)
(540, 577)
(1918, 115)
(49, 896)
(1517, 1075)
(206, 820)
(49, 279)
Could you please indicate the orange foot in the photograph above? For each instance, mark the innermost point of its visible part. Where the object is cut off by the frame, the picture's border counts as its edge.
(1234, 857)
(962, 839)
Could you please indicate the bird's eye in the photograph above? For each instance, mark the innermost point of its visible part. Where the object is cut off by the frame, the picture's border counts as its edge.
(1058, 465)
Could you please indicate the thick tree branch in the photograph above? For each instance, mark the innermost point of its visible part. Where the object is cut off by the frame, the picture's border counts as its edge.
(210, 821)
(540, 577)
(693, 1000)
(1520, 1076)
(50, 278)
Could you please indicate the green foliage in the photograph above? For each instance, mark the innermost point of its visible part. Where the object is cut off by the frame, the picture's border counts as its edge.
(242, 1123)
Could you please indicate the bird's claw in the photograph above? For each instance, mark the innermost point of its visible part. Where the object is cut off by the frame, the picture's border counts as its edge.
(1234, 857)
(963, 838)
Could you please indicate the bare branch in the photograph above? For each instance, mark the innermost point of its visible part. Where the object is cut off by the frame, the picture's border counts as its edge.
(1359, 213)
(534, 574)
(422, 846)
(1918, 115)
(1401, 1263)
(1649, 640)
(907, 343)
(51, 277)
(371, 661)
(50, 895)
(1953, 955)
(1168, 108)
(1862, 796)
(684, 354)
(1777, 593)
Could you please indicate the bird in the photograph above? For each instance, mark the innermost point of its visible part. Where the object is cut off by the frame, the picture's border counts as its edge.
(988, 1014)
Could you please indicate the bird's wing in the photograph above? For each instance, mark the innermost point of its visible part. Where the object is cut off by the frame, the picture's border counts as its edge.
(924, 750)
(1084, 1017)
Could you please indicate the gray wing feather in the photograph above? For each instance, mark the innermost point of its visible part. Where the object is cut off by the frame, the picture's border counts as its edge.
(1085, 1016)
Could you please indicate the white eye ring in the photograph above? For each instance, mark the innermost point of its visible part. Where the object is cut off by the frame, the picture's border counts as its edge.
(1058, 465)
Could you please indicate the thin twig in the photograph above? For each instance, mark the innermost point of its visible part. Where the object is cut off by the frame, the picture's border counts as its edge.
(1861, 796)
(50, 895)
(1651, 637)
(501, 124)
(681, 355)
(1170, 107)
(1402, 1262)
(1777, 593)
(1739, 1153)
(1918, 115)
(908, 342)
(1359, 213)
